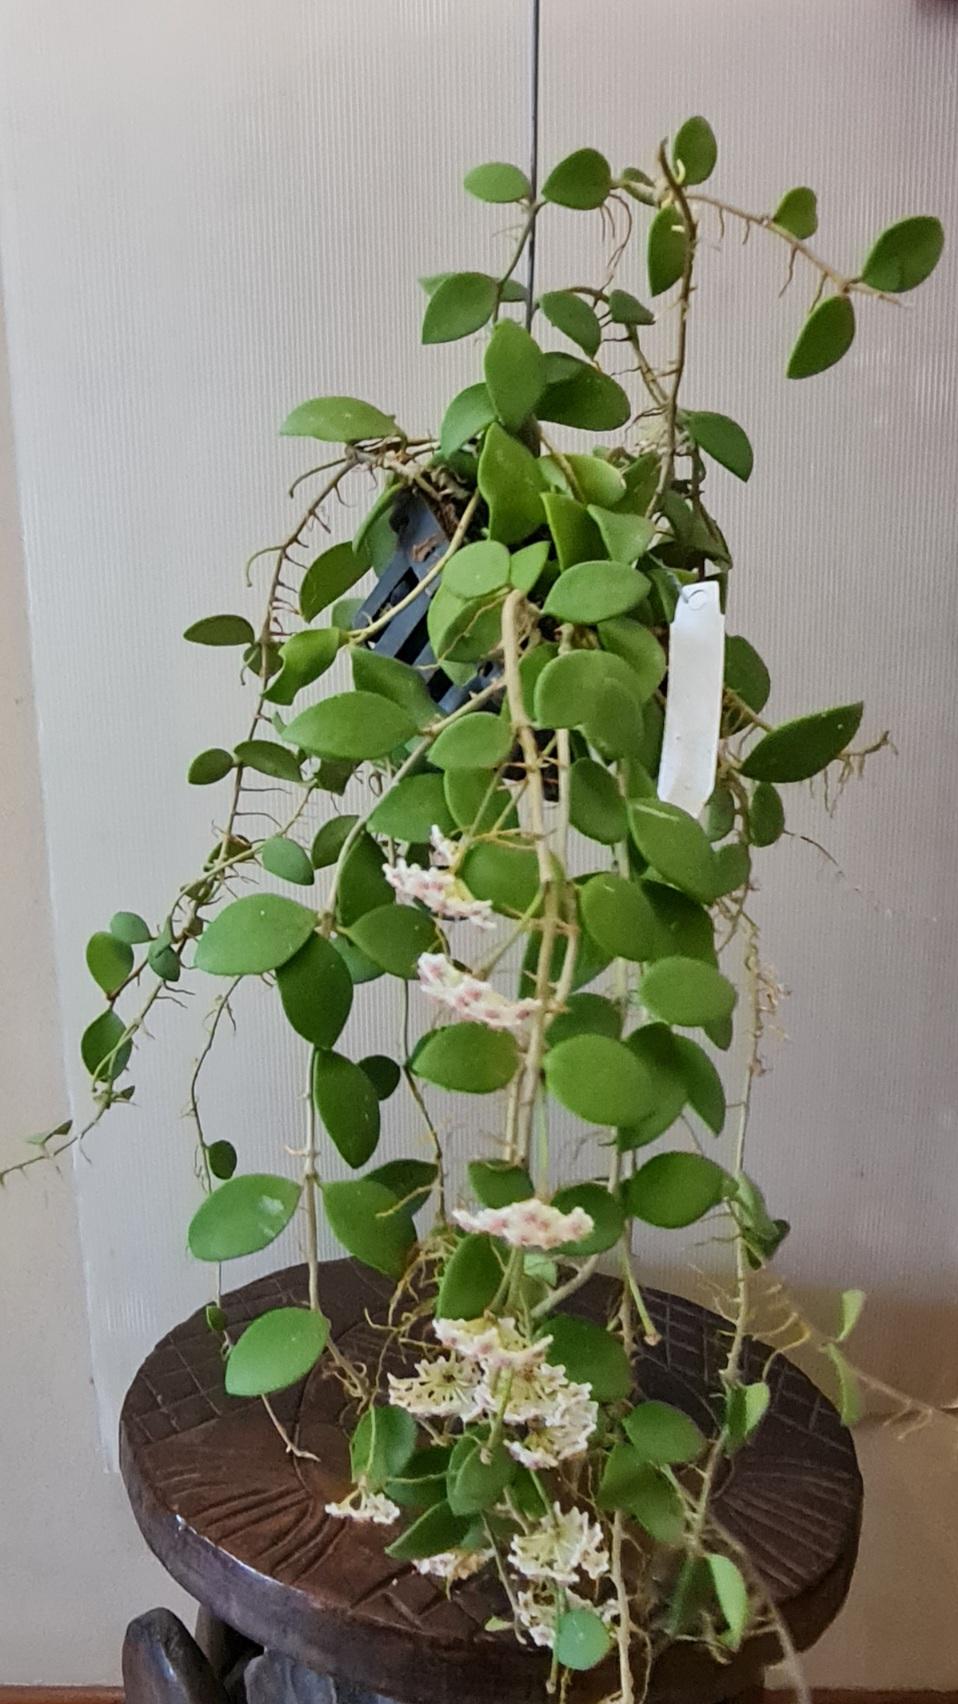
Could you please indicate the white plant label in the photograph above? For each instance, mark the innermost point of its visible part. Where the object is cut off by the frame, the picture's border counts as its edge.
(693, 708)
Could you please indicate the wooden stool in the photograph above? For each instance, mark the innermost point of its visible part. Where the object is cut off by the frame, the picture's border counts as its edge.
(302, 1608)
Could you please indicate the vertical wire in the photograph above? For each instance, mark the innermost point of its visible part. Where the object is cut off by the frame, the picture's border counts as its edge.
(533, 151)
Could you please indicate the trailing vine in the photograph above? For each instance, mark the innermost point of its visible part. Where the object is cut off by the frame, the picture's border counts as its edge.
(554, 920)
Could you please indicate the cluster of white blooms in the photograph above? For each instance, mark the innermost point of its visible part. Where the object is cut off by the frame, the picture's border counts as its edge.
(538, 1611)
(528, 1224)
(469, 997)
(453, 1565)
(438, 887)
(363, 1505)
(493, 1369)
(561, 1548)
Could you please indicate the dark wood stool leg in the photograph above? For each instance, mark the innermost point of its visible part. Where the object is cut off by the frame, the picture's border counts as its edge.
(752, 1695)
(221, 1645)
(162, 1663)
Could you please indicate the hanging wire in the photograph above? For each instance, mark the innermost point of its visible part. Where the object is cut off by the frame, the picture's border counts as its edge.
(533, 152)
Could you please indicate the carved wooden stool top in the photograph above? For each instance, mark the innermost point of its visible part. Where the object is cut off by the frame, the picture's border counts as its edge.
(240, 1523)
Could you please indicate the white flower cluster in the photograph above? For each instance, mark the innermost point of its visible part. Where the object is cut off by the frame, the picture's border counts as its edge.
(453, 1565)
(492, 1368)
(469, 997)
(538, 1611)
(528, 1224)
(561, 1548)
(438, 887)
(363, 1505)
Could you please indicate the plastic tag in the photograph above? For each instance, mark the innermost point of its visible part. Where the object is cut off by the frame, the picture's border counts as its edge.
(693, 709)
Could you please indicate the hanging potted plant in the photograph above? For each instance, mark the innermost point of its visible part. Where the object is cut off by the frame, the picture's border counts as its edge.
(558, 772)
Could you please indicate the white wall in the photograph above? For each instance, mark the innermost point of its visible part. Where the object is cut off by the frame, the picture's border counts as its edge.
(202, 211)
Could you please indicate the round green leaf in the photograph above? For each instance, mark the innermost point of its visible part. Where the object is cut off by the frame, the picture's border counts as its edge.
(496, 1183)
(470, 1279)
(732, 1594)
(525, 566)
(277, 1350)
(582, 180)
(242, 1216)
(329, 840)
(460, 304)
(746, 673)
(394, 680)
(108, 960)
(703, 1085)
(411, 809)
(602, 1208)
(667, 248)
(317, 991)
(497, 182)
(628, 310)
(695, 150)
(590, 478)
(360, 968)
(766, 815)
(510, 483)
(656, 1505)
(582, 1639)
(254, 934)
(508, 876)
(381, 1444)
(675, 844)
(287, 859)
(515, 373)
(362, 884)
(435, 1531)
(348, 1105)
(222, 1159)
(477, 741)
(720, 813)
(363, 1215)
(268, 758)
(745, 1409)
(339, 420)
(618, 917)
(590, 1355)
(478, 1474)
(102, 1048)
(585, 1014)
(385, 1076)
(686, 991)
(663, 1435)
(130, 927)
(325, 580)
(567, 688)
(904, 255)
(468, 414)
(628, 639)
(626, 536)
(393, 936)
(467, 1057)
(574, 532)
(596, 807)
(209, 766)
(673, 1190)
(594, 591)
(684, 928)
(478, 570)
(573, 317)
(794, 751)
(351, 725)
(722, 439)
(654, 1047)
(477, 803)
(824, 338)
(221, 630)
(587, 399)
(597, 1078)
(410, 1181)
(797, 212)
